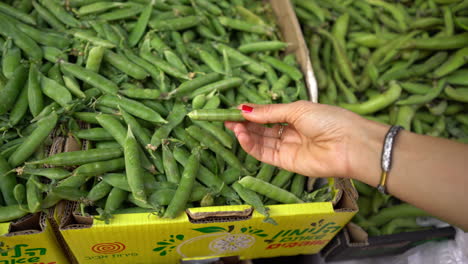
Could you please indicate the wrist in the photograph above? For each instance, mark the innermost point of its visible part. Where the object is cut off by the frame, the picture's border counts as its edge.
(365, 151)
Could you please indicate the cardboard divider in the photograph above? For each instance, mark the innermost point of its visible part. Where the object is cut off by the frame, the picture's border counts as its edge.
(218, 216)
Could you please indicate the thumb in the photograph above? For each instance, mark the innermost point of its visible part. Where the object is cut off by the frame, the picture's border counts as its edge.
(275, 113)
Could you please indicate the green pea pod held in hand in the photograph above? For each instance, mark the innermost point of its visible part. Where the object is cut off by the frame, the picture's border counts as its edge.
(216, 115)
(12, 89)
(376, 103)
(45, 126)
(185, 186)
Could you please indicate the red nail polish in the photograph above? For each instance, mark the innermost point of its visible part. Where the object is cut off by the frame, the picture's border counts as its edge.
(247, 109)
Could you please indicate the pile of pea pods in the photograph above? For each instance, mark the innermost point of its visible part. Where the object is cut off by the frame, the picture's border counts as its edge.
(121, 78)
(395, 62)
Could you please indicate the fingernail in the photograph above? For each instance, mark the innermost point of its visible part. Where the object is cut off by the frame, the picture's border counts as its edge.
(247, 109)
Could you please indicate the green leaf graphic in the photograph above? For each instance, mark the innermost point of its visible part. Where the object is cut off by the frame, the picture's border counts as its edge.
(210, 229)
(163, 243)
(243, 229)
(163, 253)
(180, 237)
(159, 248)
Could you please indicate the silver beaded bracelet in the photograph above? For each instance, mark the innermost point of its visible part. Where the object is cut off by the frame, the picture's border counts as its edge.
(387, 156)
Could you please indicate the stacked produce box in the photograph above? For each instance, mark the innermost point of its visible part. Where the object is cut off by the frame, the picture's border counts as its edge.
(394, 62)
(120, 78)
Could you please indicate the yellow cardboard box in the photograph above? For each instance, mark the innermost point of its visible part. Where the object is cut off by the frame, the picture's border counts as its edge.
(30, 240)
(207, 232)
(216, 231)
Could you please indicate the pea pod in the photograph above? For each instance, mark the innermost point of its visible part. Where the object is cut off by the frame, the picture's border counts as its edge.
(376, 103)
(133, 167)
(455, 61)
(50, 173)
(420, 99)
(439, 43)
(11, 58)
(269, 190)
(23, 41)
(12, 89)
(80, 157)
(33, 141)
(11, 212)
(176, 24)
(7, 182)
(213, 144)
(342, 59)
(187, 181)
(457, 94)
(99, 167)
(92, 78)
(402, 210)
(34, 195)
(131, 106)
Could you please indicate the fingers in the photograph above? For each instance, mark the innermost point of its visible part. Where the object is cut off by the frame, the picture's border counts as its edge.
(262, 148)
(273, 132)
(276, 113)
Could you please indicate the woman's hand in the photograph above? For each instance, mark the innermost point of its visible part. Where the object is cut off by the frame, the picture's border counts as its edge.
(319, 140)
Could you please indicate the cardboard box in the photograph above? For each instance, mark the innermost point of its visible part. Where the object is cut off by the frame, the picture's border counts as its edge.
(30, 240)
(209, 232)
(353, 243)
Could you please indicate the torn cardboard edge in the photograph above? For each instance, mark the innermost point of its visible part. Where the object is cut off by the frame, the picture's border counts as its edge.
(27, 225)
(220, 216)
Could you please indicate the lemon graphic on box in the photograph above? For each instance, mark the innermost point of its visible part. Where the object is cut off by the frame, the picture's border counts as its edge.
(215, 244)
